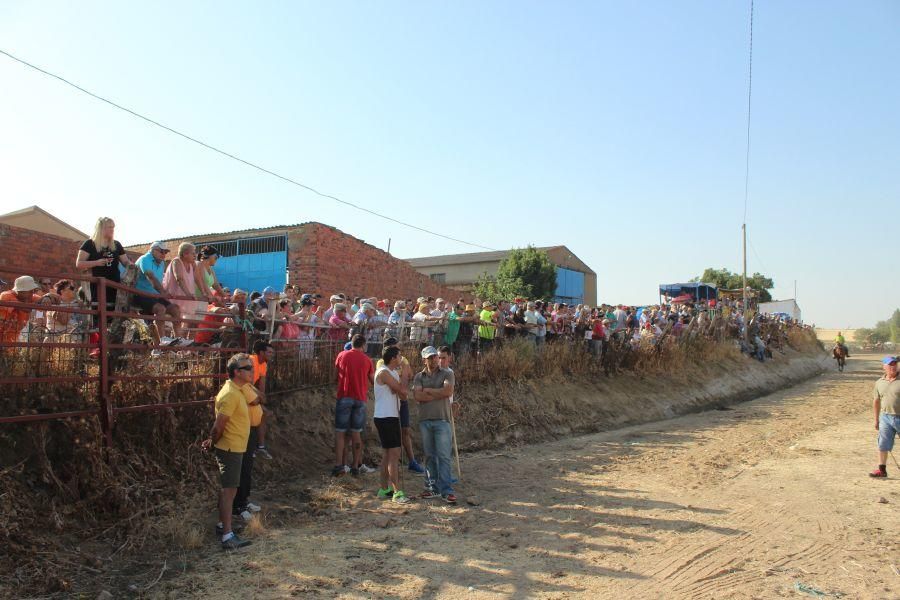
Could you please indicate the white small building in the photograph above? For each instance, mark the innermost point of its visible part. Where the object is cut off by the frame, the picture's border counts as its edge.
(788, 307)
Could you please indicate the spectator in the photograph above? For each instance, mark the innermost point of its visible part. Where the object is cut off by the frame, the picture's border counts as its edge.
(180, 280)
(340, 323)
(46, 286)
(388, 393)
(487, 330)
(287, 329)
(397, 320)
(354, 375)
(886, 405)
(151, 268)
(467, 328)
(241, 505)
(290, 292)
(263, 352)
(13, 320)
(420, 332)
(102, 254)
(534, 322)
(329, 312)
(62, 323)
(405, 428)
(598, 337)
(207, 283)
(229, 436)
(432, 389)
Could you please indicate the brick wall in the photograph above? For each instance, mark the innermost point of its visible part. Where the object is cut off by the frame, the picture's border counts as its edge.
(27, 252)
(326, 260)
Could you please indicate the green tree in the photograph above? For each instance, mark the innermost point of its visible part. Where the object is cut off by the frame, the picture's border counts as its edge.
(725, 279)
(526, 272)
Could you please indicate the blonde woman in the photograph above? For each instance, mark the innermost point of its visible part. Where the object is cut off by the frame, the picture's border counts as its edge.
(102, 254)
(180, 280)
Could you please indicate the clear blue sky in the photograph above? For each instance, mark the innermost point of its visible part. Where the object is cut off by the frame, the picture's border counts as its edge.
(617, 129)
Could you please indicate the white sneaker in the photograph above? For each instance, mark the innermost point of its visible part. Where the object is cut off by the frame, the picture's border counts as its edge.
(364, 468)
(246, 515)
(253, 507)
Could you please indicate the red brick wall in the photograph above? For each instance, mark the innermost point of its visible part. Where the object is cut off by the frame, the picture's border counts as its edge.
(27, 252)
(326, 260)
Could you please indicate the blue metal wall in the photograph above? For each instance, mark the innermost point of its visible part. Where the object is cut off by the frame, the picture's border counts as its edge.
(569, 286)
(253, 271)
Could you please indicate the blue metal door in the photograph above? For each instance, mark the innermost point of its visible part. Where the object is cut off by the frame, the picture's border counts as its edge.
(253, 263)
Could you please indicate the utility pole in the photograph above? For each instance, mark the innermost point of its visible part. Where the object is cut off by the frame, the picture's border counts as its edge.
(744, 230)
(389, 245)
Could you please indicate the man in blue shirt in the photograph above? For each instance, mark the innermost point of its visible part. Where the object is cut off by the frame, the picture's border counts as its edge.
(151, 267)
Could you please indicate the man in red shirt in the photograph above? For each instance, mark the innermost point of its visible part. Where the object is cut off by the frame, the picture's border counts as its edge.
(13, 320)
(355, 374)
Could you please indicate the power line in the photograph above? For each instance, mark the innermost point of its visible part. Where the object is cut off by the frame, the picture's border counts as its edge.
(749, 96)
(238, 158)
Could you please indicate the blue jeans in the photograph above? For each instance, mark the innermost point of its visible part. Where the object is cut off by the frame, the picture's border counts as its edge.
(888, 429)
(437, 442)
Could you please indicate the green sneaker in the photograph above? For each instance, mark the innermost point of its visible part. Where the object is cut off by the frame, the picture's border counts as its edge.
(385, 494)
(400, 497)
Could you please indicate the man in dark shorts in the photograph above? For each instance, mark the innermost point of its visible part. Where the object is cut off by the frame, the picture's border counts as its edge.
(355, 374)
(228, 438)
(388, 392)
(151, 267)
(405, 428)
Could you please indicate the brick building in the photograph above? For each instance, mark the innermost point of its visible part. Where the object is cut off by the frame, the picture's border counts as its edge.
(29, 252)
(319, 258)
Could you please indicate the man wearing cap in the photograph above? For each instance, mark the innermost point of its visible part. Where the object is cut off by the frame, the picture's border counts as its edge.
(13, 320)
(334, 300)
(151, 267)
(886, 405)
(432, 389)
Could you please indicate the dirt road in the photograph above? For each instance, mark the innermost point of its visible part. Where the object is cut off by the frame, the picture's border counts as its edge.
(749, 502)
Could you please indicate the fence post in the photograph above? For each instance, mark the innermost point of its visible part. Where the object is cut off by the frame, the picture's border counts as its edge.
(106, 413)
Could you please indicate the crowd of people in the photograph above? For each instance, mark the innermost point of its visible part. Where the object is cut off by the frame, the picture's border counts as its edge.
(190, 306)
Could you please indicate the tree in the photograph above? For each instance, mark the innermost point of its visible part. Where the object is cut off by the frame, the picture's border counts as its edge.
(884, 331)
(725, 279)
(525, 272)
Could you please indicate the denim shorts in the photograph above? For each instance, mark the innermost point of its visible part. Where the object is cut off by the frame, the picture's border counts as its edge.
(888, 429)
(349, 415)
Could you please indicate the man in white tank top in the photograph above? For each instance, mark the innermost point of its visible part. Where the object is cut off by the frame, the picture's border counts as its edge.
(388, 392)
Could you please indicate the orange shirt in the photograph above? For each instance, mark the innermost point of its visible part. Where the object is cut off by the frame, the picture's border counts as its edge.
(259, 369)
(12, 320)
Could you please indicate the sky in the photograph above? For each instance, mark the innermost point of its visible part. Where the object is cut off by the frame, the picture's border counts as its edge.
(616, 129)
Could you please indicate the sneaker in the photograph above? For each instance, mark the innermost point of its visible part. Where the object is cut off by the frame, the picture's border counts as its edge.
(385, 494)
(415, 467)
(244, 514)
(449, 498)
(235, 527)
(365, 469)
(262, 451)
(339, 470)
(429, 495)
(234, 542)
(354, 471)
(156, 352)
(878, 472)
(400, 497)
(253, 507)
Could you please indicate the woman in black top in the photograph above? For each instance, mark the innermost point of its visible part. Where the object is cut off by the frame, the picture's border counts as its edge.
(102, 255)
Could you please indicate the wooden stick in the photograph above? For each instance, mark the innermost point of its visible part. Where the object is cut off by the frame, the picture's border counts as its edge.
(455, 445)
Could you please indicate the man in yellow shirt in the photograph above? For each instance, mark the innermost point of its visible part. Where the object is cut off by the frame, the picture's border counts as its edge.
(228, 438)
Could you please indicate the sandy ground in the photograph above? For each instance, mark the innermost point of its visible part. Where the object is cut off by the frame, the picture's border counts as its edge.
(748, 502)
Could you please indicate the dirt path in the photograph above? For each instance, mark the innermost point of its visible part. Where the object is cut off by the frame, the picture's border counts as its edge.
(742, 503)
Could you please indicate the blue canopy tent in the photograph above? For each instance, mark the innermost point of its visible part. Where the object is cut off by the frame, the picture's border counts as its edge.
(697, 290)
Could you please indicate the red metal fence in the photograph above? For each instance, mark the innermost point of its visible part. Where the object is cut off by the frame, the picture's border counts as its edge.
(93, 367)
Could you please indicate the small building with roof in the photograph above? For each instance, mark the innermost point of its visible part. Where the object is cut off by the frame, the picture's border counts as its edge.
(576, 283)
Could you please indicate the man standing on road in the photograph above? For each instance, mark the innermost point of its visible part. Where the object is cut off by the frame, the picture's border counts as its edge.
(229, 436)
(355, 374)
(432, 389)
(886, 405)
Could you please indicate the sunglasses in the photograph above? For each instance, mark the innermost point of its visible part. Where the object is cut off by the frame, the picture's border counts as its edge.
(245, 368)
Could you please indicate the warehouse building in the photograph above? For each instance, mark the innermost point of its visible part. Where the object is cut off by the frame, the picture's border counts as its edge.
(319, 258)
(576, 283)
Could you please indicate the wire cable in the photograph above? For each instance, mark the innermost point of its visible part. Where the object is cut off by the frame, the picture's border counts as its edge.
(238, 158)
